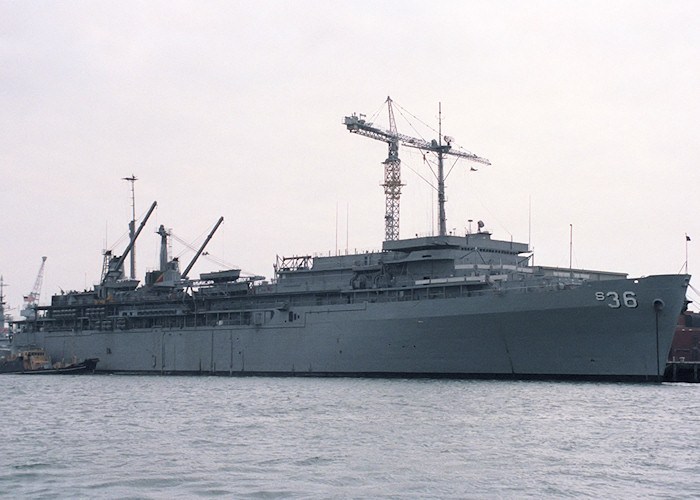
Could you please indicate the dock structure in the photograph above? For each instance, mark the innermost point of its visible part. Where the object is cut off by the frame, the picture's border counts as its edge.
(683, 362)
(682, 371)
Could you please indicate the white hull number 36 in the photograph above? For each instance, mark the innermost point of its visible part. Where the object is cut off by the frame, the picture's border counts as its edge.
(613, 299)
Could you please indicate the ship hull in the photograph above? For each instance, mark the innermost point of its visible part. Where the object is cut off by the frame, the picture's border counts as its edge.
(613, 329)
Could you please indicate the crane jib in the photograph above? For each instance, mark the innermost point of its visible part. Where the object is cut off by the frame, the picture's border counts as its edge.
(392, 165)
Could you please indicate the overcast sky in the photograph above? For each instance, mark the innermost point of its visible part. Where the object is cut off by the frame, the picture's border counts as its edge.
(589, 112)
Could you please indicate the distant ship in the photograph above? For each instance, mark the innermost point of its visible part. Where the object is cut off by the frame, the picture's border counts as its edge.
(434, 306)
(4, 330)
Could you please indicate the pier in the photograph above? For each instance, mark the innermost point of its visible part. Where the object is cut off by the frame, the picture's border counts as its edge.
(682, 371)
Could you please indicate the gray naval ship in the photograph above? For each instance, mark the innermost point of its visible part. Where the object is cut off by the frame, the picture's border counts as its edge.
(436, 306)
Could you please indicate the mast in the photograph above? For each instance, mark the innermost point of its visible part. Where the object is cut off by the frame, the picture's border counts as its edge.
(112, 268)
(132, 224)
(442, 220)
(571, 250)
(163, 247)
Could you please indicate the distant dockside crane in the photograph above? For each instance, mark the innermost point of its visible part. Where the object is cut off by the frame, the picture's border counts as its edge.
(31, 300)
(392, 165)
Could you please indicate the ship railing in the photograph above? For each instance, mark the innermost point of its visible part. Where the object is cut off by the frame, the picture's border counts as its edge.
(356, 251)
(345, 252)
(421, 292)
(496, 267)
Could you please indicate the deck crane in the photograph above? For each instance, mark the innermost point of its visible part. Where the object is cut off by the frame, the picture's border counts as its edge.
(31, 301)
(201, 249)
(392, 165)
(112, 270)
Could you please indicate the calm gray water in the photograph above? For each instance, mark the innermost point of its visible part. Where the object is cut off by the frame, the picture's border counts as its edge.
(109, 436)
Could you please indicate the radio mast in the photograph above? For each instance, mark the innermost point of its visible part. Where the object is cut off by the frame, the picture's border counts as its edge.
(132, 225)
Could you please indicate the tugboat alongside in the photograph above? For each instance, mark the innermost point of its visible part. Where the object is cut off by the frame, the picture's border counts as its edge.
(36, 361)
(433, 306)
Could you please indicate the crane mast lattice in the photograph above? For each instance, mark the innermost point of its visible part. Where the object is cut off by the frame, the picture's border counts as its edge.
(392, 165)
(32, 299)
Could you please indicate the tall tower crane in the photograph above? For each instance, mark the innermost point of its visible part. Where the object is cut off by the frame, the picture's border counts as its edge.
(392, 165)
(32, 299)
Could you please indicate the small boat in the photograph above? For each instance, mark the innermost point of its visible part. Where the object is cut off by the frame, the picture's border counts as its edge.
(37, 362)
